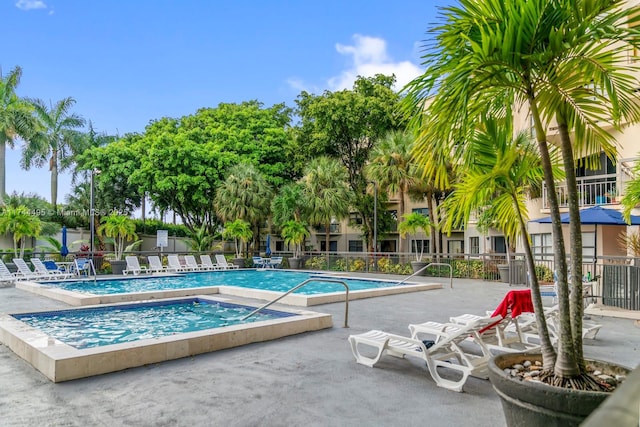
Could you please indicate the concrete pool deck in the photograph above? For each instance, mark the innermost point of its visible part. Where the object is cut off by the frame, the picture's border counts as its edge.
(309, 379)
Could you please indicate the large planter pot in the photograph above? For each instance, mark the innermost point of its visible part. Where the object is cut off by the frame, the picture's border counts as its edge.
(239, 262)
(503, 270)
(530, 403)
(295, 263)
(419, 265)
(118, 266)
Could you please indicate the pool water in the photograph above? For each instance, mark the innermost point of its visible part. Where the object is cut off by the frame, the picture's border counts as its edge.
(101, 326)
(272, 280)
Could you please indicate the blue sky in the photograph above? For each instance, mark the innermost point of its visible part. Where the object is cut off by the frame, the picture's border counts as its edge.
(127, 62)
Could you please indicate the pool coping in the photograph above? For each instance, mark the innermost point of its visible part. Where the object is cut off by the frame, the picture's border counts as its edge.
(83, 299)
(61, 362)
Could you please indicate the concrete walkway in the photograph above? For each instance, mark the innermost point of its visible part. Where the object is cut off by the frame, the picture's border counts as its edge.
(305, 380)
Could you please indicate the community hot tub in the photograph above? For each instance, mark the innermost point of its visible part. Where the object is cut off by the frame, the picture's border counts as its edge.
(82, 342)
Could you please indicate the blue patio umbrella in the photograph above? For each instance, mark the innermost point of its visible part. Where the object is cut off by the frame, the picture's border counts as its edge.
(267, 251)
(64, 251)
(596, 215)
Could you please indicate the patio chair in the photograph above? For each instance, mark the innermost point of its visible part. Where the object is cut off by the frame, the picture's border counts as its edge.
(260, 262)
(133, 266)
(155, 265)
(442, 351)
(222, 262)
(191, 263)
(174, 264)
(83, 267)
(207, 263)
(275, 262)
(6, 275)
(40, 268)
(24, 272)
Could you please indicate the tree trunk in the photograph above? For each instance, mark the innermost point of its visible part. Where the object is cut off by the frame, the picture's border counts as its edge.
(327, 240)
(3, 172)
(53, 166)
(402, 243)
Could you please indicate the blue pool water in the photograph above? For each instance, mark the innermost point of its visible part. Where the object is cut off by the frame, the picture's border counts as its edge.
(100, 326)
(272, 280)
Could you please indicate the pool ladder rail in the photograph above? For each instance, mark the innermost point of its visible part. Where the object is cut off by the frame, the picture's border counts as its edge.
(298, 286)
(427, 266)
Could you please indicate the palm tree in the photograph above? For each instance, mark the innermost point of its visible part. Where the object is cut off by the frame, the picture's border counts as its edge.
(245, 194)
(412, 224)
(295, 232)
(15, 119)
(121, 228)
(288, 204)
(392, 168)
(200, 240)
(566, 60)
(326, 193)
(55, 141)
(499, 171)
(18, 221)
(239, 231)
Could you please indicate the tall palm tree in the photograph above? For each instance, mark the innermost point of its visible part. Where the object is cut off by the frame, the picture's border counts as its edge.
(566, 60)
(498, 172)
(288, 204)
(15, 119)
(326, 192)
(55, 141)
(245, 194)
(18, 222)
(391, 166)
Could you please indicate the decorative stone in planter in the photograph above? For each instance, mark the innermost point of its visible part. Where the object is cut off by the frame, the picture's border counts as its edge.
(118, 266)
(531, 403)
(417, 266)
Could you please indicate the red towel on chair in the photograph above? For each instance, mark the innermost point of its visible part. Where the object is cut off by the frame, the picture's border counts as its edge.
(515, 303)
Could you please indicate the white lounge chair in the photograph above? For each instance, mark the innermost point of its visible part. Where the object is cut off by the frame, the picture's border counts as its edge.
(133, 266)
(222, 262)
(260, 262)
(155, 265)
(41, 269)
(6, 275)
(207, 264)
(191, 263)
(443, 351)
(24, 272)
(275, 262)
(174, 263)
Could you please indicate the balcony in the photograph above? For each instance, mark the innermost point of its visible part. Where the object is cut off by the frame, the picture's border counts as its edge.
(333, 229)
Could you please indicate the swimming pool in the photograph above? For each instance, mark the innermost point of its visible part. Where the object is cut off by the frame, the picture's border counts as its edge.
(249, 283)
(108, 325)
(63, 344)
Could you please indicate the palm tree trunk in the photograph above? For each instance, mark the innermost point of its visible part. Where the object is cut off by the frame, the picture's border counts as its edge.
(402, 245)
(575, 235)
(3, 172)
(53, 166)
(327, 240)
(565, 365)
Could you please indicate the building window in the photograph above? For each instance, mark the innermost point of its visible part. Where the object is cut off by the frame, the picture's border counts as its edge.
(474, 245)
(542, 246)
(416, 245)
(455, 246)
(588, 247)
(356, 246)
(333, 246)
(421, 211)
(355, 219)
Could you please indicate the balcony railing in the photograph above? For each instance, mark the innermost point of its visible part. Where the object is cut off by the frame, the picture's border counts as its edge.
(333, 229)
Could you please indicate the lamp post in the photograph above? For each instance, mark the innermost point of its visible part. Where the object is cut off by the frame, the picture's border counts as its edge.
(92, 225)
(375, 224)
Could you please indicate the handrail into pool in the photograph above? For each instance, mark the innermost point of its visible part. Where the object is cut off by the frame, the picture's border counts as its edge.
(298, 286)
(427, 266)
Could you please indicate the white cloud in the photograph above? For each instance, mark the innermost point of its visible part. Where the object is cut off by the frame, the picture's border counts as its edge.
(30, 4)
(369, 57)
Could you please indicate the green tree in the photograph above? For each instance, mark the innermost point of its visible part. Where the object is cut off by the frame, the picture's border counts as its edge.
(246, 195)
(121, 229)
(326, 193)
(566, 60)
(239, 231)
(200, 240)
(54, 142)
(15, 119)
(411, 225)
(288, 204)
(392, 168)
(294, 233)
(20, 223)
(345, 125)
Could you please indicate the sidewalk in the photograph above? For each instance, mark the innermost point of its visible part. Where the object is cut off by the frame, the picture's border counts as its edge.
(310, 379)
